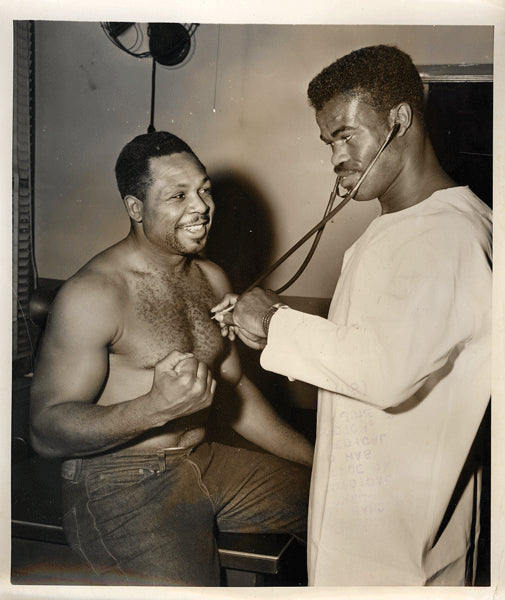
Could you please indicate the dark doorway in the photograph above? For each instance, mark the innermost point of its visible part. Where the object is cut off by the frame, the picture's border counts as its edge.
(460, 121)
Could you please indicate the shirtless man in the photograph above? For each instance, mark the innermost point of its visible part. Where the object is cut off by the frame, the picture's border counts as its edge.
(124, 384)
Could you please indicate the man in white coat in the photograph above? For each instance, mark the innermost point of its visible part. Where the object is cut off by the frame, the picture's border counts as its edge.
(403, 361)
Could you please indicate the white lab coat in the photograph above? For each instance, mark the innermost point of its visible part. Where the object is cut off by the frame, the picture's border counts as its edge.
(403, 367)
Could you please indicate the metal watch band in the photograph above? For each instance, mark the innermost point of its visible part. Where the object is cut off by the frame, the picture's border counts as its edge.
(267, 317)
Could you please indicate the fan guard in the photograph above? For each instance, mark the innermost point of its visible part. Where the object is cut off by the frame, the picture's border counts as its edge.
(169, 44)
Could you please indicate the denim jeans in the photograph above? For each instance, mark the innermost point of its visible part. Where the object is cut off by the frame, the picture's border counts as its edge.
(151, 519)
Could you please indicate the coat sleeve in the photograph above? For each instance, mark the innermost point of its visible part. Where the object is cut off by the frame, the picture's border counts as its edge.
(405, 322)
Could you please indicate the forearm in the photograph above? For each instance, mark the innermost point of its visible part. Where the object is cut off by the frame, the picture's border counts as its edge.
(259, 423)
(182, 385)
(78, 429)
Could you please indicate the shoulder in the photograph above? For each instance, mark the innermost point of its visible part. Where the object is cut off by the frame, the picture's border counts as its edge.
(88, 288)
(449, 220)
(456, 225)
(215, 275)
(89, 301)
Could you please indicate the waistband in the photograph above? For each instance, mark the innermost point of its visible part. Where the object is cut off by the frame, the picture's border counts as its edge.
(157, 460)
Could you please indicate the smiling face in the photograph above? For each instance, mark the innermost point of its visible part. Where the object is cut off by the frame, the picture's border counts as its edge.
(178, 207)
(355, 132)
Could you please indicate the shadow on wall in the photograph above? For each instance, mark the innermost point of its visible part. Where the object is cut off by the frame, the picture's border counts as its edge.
(240, 241)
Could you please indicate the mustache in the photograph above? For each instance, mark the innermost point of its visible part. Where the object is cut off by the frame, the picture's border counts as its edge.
(343, 170)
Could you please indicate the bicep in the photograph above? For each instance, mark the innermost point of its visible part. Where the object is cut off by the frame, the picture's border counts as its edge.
(73, 361)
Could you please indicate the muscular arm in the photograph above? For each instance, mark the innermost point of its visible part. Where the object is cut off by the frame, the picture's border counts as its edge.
(72, 370)
(259, 423)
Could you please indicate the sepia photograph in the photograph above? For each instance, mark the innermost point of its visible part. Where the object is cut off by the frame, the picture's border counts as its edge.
(254, 348)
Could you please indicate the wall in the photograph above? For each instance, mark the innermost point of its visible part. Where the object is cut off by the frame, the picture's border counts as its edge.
(241, 104)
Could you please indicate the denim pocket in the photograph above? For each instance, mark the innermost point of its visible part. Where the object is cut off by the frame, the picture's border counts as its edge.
(104, 483)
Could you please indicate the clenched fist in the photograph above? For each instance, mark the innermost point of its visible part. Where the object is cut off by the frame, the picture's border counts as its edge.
(182, 385)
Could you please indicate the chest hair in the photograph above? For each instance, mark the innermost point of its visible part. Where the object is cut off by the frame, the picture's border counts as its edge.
(172, 310)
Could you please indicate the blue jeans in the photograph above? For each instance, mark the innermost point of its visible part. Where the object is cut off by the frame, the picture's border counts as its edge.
(151, 519)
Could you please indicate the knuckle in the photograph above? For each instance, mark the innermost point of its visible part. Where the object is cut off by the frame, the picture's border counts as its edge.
(186, 379)
(199, 387)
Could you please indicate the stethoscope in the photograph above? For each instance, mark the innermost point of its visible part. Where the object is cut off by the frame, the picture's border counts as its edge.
(329, 213)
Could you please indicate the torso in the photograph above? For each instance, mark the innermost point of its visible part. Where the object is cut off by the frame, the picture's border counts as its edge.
(159, 313)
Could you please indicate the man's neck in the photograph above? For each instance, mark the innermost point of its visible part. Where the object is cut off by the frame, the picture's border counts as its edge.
(147, 257)
(420, 177)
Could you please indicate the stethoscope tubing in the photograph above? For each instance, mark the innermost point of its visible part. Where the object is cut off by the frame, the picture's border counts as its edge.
(327, 217)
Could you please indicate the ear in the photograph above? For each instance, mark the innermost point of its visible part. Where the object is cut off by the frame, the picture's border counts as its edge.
(134, 208)
(401, 114)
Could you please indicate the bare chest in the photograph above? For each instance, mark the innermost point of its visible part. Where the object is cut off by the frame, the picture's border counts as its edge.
(164, 313)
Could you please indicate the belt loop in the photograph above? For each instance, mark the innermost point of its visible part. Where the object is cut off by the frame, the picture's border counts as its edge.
(161, 454)
(71, 469)
(78, 468)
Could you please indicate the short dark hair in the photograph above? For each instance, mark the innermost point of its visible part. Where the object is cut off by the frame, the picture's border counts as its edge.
(382, 76)
(133, 174)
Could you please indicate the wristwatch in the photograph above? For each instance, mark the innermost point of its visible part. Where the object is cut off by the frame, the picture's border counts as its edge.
(267, 317)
